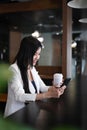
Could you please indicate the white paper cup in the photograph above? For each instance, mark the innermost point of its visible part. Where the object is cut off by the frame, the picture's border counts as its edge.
(57, 79)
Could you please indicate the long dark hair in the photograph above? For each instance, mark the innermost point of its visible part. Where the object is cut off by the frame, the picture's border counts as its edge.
(28, 47)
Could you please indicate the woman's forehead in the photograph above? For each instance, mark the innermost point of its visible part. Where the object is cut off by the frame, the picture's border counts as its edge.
(38, 50)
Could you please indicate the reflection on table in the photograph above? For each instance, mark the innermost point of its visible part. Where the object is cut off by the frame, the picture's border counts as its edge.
(52, 113)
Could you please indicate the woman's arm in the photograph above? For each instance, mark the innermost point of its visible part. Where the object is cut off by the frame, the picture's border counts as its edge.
(17, 86)
(48, 91)
(52, 92)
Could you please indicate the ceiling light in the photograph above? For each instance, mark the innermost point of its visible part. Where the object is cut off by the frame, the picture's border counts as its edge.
(77, 4)
(51, 16)
(74, 44)
(15, 27)
(83, 20)
(57, 33)
(41, 39)
(40, 25)
(35, 34)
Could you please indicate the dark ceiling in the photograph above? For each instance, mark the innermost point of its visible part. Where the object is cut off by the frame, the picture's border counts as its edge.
(44, 21)
(78, 14)
(11, 1)
(41, 20)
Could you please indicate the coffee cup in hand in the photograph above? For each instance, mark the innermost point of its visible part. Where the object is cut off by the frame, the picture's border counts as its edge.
(57, 79)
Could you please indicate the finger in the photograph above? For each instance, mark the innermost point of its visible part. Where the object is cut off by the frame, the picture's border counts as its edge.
(63, 87)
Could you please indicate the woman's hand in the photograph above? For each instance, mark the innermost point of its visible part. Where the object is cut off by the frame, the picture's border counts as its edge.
(53, 92)
(60, 90)
(56, 92)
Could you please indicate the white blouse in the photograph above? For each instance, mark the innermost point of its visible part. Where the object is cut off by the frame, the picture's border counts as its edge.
(16, 95)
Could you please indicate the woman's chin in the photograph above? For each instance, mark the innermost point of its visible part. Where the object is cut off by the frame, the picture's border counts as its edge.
(34, 64)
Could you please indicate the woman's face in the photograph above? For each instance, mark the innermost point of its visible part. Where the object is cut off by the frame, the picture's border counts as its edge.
(36, 56)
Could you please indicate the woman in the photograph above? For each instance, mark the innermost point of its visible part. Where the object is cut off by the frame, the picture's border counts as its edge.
(26, 85)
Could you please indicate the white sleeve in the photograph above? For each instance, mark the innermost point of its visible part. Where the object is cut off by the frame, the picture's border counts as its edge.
(16, 85)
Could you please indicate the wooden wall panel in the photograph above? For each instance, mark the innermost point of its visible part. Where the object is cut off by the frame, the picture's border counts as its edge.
(15, 38)
(48, 71)
(28, 6)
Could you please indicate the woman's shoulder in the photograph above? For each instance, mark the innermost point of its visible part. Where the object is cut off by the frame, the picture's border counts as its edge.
(14, 67)
(34, 70)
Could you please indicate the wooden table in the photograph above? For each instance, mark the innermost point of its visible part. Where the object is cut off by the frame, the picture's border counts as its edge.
(48, 114)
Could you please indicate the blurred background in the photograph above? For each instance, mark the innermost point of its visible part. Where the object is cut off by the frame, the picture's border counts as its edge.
(62, 32)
